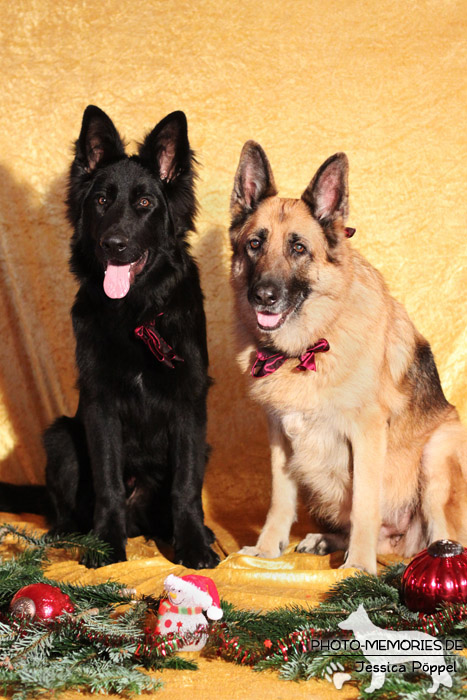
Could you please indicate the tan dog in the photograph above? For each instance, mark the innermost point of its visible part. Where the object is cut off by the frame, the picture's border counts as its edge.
(355, 408)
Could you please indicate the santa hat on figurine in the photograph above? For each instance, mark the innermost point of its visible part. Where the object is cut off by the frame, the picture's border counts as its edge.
(201, 590)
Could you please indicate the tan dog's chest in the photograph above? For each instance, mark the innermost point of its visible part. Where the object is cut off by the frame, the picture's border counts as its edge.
(319, 413)
(316, 414)
(321, 460)
(342, 384)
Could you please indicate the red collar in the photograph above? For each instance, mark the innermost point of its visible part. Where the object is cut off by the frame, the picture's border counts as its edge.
(268, 362)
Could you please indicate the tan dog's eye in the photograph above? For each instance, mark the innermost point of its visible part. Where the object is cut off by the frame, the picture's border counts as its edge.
(254, 244)
(299, 248)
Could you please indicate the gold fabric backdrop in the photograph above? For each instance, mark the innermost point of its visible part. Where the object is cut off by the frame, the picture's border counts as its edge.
(383, 81)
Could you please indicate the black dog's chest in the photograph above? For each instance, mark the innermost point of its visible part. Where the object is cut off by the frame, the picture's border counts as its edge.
(141, 378)
(142, 393)
(124, 359)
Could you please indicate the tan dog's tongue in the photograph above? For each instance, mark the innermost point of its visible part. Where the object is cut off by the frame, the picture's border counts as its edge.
(117, 281)
(268, 320)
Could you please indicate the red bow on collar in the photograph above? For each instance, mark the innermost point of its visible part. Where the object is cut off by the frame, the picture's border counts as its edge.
(157, 345)
(267, 362)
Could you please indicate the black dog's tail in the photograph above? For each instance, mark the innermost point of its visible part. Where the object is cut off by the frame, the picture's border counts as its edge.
(24, 499)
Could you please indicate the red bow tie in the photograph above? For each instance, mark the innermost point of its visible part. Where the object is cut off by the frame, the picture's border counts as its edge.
(157, 345)
(267, 363)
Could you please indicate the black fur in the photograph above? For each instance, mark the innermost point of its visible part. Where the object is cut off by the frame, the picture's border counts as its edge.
(427, 393)
(131, 462)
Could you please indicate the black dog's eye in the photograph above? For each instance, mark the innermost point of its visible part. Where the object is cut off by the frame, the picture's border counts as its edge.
(102, 200)
(144, 202)
(254, 244)
(299, 248)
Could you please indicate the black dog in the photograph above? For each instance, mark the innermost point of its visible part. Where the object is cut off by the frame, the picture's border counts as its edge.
(131, 462)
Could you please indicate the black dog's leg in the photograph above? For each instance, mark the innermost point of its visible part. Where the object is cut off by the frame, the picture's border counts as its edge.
(188, 457)
(104, 440)
(68, 476)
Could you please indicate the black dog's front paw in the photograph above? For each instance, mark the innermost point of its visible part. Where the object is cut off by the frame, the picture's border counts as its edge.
(197, 557)
(209, 536)
(94, 552)
(113, 551)
(95, 561)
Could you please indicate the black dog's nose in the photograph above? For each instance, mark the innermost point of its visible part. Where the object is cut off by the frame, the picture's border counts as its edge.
(265, 294)
(114, 244)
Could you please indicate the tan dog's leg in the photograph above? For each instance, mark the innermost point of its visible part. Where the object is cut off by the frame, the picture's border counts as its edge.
(274, 536)
(369, 443)
(444, 465)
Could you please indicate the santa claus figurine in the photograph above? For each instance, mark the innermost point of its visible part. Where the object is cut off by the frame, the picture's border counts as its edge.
(190, 600)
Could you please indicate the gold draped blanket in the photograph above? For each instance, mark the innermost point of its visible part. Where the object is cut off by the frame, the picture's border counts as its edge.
(383, 81)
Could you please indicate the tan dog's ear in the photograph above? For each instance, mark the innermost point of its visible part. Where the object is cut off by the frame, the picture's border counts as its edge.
(327, 195)
(253, 181)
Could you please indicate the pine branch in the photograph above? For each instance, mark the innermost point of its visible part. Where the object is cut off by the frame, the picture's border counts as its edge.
(36, 643)
(89, 676)
(178, 663)
(16, 573)
(97, 595)
(361, 585)
(21, 534)
(91, 550)
(94, 653)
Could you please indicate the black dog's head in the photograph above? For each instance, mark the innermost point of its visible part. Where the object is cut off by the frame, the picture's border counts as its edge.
(130, 213)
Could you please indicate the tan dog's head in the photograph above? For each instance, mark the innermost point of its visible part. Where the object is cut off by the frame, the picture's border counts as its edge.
(289, 255)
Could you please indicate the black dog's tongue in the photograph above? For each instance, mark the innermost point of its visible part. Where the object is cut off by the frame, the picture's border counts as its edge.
(117, 281)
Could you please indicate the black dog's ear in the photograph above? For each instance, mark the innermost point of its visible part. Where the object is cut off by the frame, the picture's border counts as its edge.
(327, 195)
(167, 147)
(253, 181)
(99, 141)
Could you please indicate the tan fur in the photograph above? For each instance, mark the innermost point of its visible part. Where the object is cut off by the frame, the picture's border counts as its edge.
(377, 465)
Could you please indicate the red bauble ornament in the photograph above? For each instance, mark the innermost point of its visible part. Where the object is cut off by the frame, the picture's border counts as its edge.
(40, 600)
(437, 575)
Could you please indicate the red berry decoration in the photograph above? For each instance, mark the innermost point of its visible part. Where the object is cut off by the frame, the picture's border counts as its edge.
(437, 575)
(40, 600)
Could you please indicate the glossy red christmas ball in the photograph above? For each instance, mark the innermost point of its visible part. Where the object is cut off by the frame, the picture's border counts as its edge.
(40, 600)
(437, 575)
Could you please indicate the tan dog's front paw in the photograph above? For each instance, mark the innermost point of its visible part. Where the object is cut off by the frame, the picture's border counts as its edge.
(367, 568)
(258, 552)
(323, 544)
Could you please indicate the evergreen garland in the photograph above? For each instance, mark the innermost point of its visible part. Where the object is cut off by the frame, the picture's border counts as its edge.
(101, 649)
(92, 650)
